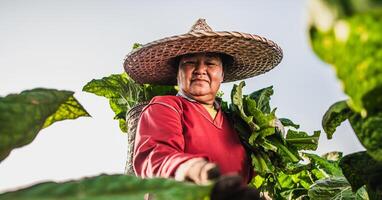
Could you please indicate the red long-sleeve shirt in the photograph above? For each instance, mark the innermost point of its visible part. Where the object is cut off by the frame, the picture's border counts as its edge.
(172, 130)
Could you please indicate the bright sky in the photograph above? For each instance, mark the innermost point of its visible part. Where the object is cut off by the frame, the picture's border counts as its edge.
(65, 44)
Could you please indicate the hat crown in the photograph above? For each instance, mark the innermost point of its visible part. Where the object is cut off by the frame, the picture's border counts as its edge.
(201, 25)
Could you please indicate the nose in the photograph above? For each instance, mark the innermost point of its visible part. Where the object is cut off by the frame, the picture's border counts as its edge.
(200, 69)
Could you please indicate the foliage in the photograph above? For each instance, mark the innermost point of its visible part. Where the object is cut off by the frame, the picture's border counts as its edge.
(23, 115)
(302, 141)
(360, 169)
(275, 159)
(364, 168)
(324, 164)
(368, 129)
(105, 187)
(288, 123)
(334, 116)
(352, 47)
(124, 93)
(351, 42)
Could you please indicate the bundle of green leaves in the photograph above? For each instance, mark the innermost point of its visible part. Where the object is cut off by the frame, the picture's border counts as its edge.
(278, 160)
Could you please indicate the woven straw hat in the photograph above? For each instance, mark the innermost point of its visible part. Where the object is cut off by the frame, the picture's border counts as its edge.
(252, 54)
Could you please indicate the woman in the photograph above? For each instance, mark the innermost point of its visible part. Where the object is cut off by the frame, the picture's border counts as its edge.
(187, 135)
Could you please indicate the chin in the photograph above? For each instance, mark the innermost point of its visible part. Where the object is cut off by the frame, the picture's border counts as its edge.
(199, 93)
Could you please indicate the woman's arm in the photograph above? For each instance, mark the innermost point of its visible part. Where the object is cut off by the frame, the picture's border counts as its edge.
(159, 143)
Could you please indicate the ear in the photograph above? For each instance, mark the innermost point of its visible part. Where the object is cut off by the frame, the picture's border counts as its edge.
(222, 76)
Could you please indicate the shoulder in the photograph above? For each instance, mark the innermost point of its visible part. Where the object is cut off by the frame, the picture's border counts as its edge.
(173, 101)
(168, 99)
(166, 103)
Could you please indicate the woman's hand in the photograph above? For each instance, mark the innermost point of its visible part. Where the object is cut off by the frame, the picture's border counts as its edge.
(197, 170)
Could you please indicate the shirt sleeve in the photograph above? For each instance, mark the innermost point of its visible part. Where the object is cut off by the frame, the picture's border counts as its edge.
(159, 143)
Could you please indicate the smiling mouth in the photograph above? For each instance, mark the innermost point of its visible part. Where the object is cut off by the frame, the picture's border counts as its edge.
(198, 79)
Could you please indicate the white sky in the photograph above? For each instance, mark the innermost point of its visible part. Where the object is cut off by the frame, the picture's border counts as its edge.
(65, 44)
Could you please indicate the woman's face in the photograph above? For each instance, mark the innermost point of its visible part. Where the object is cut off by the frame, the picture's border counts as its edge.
(200, 76)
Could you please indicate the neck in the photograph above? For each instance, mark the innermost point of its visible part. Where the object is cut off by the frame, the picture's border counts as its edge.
(210, 106)
(205, 100)
(211, 110)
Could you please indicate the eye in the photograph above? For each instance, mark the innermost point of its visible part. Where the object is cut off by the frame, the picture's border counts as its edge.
(211, 63)
(188, 63)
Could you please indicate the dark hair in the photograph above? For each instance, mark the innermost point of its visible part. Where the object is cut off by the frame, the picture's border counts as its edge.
(226, 59)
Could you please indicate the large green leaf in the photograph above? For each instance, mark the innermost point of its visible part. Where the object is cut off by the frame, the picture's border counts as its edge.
(334, 188)
(300, 179)
(261, 163)
(23, 115)
(293, 186)
(287, 122)
(361, 169)
(302, 141)
(368, 129)
(351, 44)
(119, 88)
(107, 187)
(123, 93)
(262, 97)
(238, 107)
(287, 152)
(334, 116)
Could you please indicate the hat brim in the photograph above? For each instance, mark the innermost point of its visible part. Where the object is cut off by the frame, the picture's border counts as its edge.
(253, 55)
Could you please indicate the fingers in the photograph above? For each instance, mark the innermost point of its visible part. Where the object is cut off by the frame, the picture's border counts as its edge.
(204, 179)
(213, 173)
(198, 172)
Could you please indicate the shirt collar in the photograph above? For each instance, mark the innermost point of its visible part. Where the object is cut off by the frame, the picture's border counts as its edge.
(181, 94)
